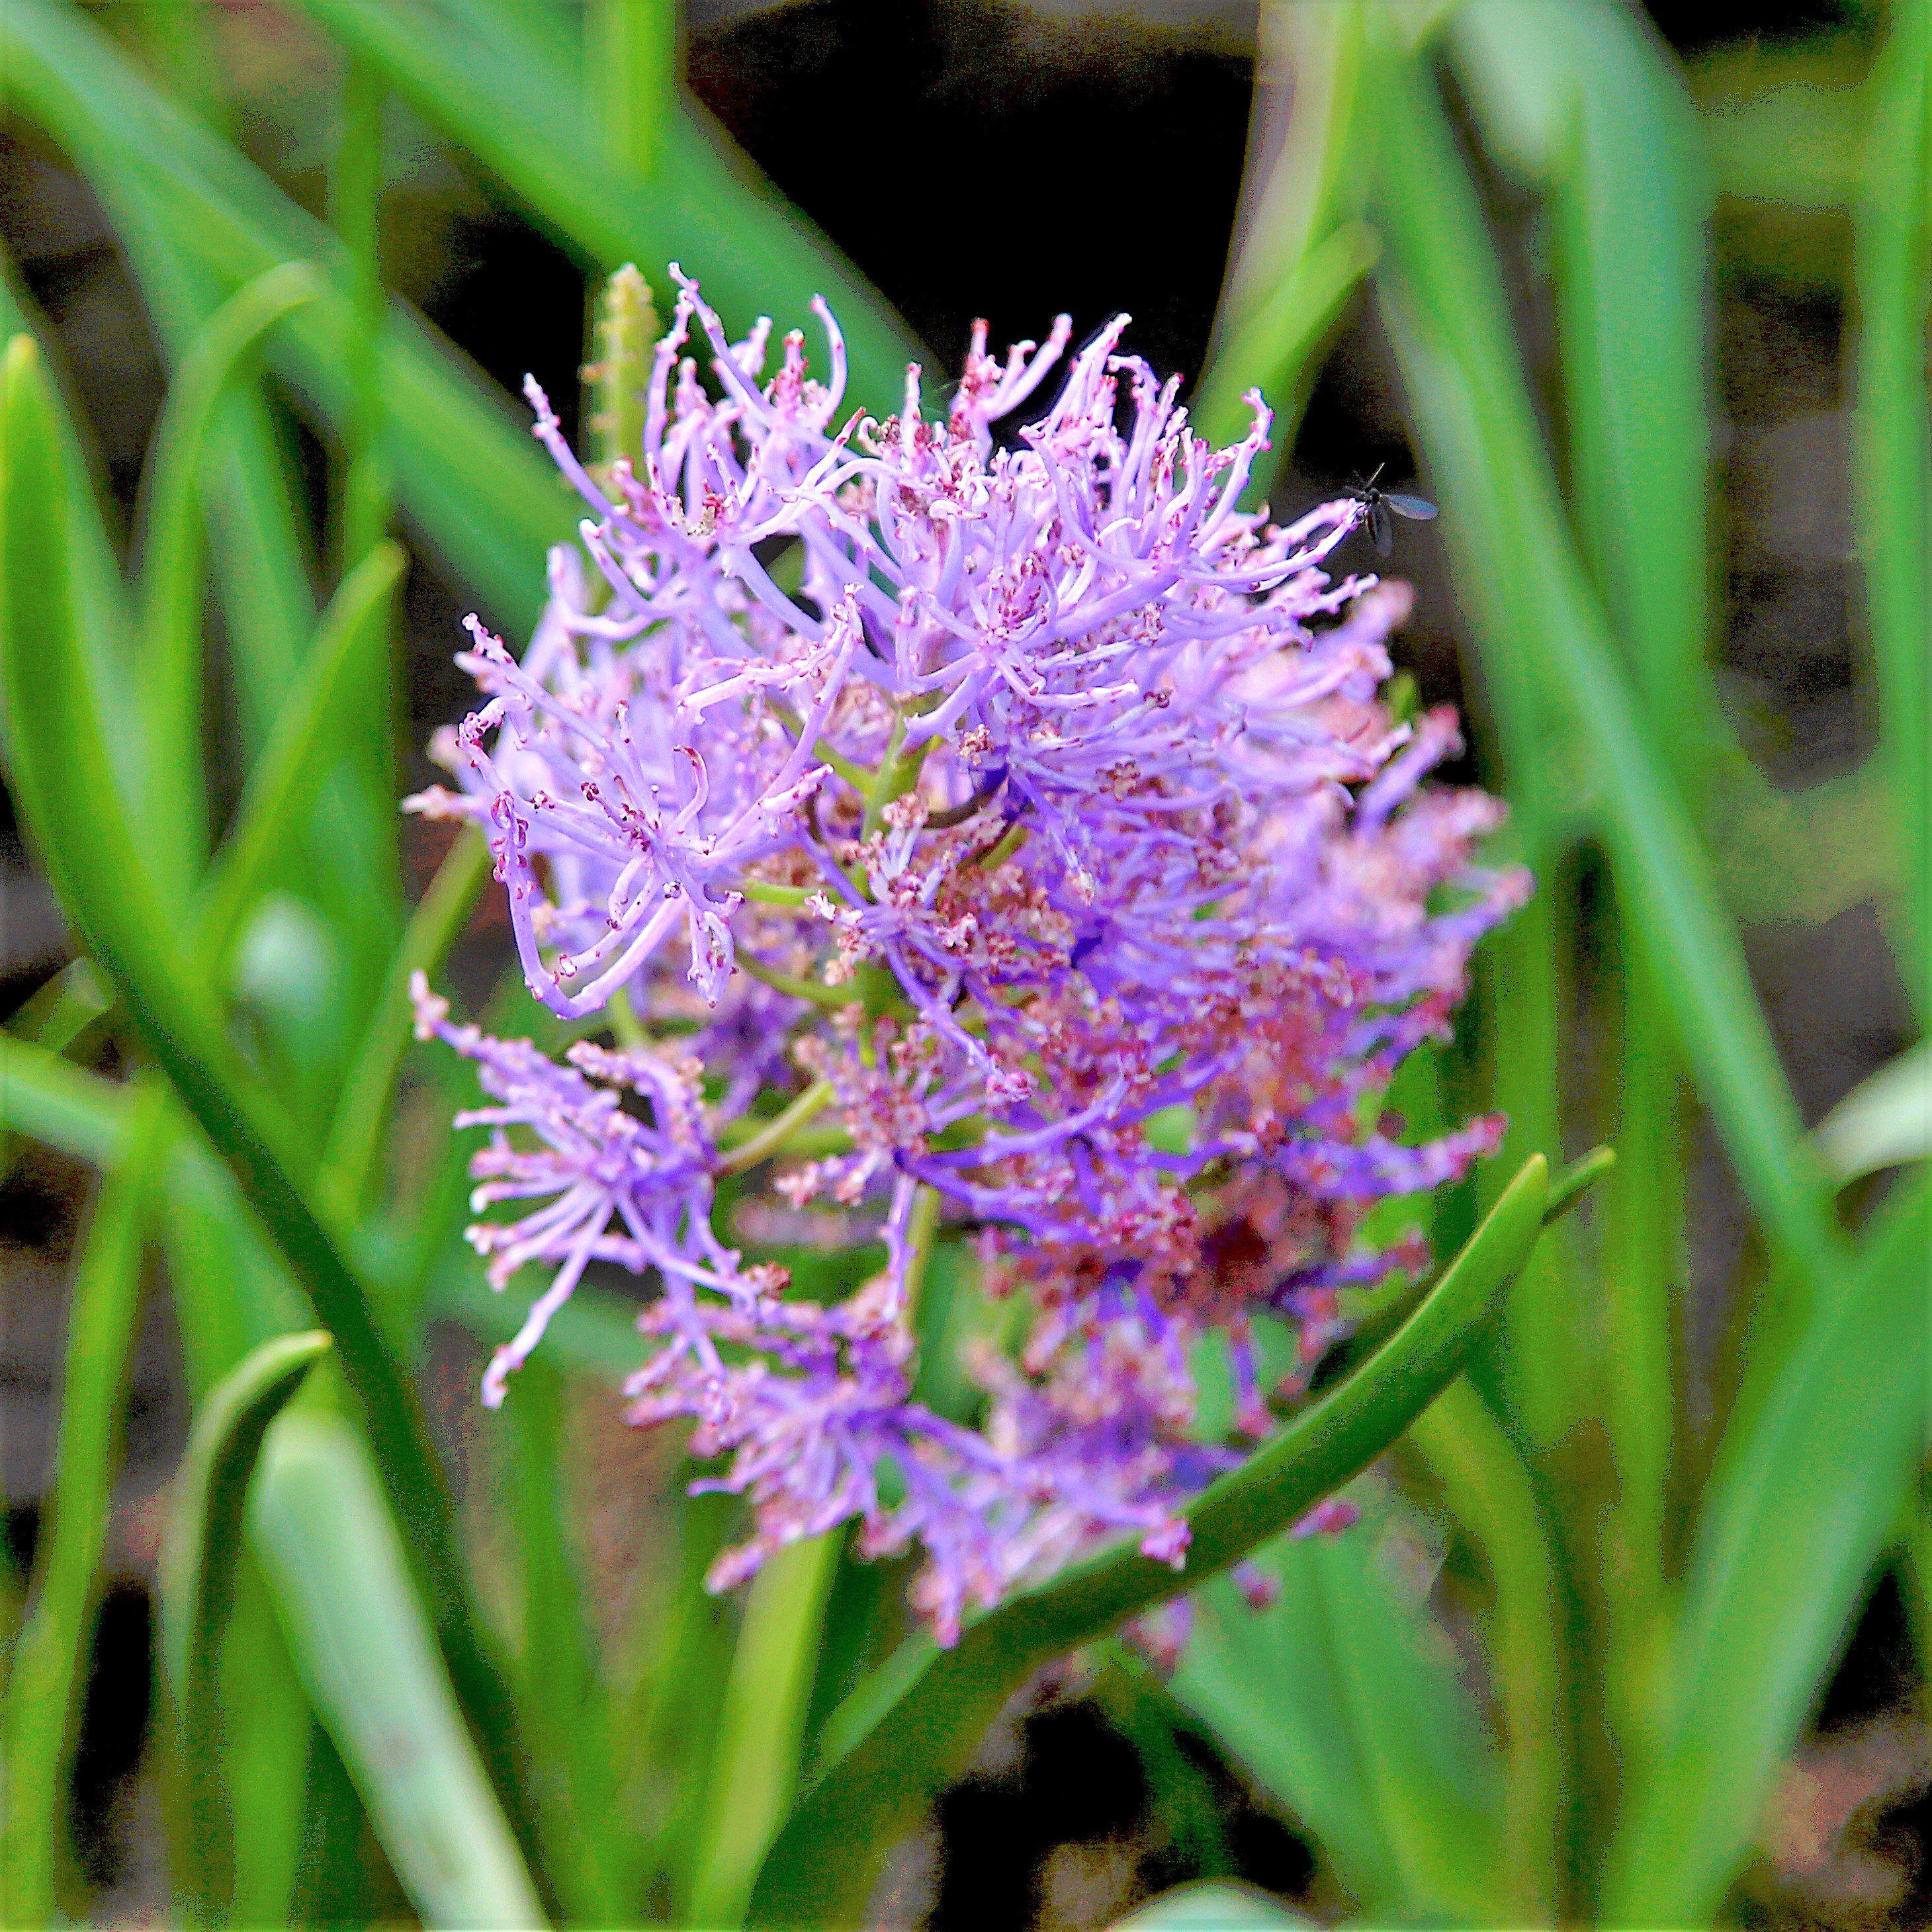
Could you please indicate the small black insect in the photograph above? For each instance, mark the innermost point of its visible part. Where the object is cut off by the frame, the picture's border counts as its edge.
(1379, 502)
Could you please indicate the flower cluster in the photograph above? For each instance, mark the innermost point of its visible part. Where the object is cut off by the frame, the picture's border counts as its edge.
(1009, 834)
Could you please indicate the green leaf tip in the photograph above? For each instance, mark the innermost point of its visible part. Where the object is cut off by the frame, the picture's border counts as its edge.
(197, 1580)
(1576, 1181)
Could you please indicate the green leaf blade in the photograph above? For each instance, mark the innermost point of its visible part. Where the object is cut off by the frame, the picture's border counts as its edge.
(900, 1736)
(367, 1654)
(42, 1712)
(270, 822)
(197, 1581)
(211, 370)
(63, 778)
(1805, 1495)
(1892, 448)
(517, 115)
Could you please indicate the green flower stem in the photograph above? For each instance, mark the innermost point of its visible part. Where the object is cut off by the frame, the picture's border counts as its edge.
(775, 1136)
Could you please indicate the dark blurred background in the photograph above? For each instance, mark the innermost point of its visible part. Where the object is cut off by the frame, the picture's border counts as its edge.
(991, 157)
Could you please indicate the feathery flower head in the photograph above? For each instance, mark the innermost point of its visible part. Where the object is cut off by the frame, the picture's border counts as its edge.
(1007, 832)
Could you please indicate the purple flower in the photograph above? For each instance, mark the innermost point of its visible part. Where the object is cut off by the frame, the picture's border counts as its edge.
(1007, 833)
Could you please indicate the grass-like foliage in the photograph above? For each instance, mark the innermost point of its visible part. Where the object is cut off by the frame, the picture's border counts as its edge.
(370, 1693)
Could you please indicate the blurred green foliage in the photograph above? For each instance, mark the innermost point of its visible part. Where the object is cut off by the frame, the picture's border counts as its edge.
(376, 1695)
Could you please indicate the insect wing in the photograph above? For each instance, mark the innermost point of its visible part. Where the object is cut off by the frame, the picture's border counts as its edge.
(1417, 509)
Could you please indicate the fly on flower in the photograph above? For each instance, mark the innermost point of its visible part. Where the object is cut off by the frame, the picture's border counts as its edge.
(1038, 872)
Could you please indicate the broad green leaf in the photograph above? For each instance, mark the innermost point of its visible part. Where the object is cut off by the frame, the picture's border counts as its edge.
(62, 783)
(197, 1584)
(1804, 1498)
(522, 118)
(897, 1739)
(1342, 1700)
(1885, 1121)
(49, 1671)
(282, 787)
(1583, 99)
(1892, 464)
(363, 1646)
(761, 1727)
(216, 364)
(1545, 639)
(267, 1743)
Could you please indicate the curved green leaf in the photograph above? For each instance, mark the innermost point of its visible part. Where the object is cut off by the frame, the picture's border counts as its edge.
(897, 1739)
(49, 1664)
(1545, 640)
(295, 761)
(197, 1582)
(216, 361)
(523, 119)
(365, 1650)
(355, 1135)
(98, 591)
(63, 783)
